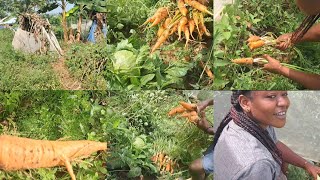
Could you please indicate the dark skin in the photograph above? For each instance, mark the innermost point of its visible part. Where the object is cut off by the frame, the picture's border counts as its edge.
(196, 169)
(309, 7)
(307, 80)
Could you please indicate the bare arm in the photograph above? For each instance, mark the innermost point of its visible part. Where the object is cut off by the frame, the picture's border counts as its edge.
(309, 7)
(203, 105)
(292, 158)
(309, 81)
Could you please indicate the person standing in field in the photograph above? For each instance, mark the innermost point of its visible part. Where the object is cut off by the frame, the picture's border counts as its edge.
(308, 80)
(245, 144)
(202, 167)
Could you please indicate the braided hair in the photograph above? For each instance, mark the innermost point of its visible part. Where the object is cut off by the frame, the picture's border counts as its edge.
(250, 125)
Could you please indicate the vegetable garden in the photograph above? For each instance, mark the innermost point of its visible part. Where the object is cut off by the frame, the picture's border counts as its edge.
(268, 20)
(143, 141)
(134, 55)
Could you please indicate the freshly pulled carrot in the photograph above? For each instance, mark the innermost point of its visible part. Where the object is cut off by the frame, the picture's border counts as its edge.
(191, 27)
(182, 7)
(167, 22)
(174, 29)
(17, 153)
(195, 17)
(161, 40)
(160, 14)
(208, 71)
(248, 61)
(189, 114)
(194, 119)
(253, 39)
(179, 109)
(181, 26)
(256, 44)
(198, 6)
(188, 106)
(160, 31)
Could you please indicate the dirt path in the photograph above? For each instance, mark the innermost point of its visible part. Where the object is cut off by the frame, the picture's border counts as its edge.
(66, 80)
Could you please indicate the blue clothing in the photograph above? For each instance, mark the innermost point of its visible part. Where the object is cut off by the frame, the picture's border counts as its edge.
(207, 162)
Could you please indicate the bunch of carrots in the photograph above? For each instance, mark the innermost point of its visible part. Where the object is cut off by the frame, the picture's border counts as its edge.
(186, 110)
(188, 16)
(164, 162)
(255, 42)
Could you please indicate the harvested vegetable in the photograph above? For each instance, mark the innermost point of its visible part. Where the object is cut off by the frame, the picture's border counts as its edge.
(182, 7)
(248, 61)
(181, 26)
(198, 6)
(161, 40)
(17, 153)
(253, 38)
(179, 109)
(256, 44)
(207, 70)
(188, 106)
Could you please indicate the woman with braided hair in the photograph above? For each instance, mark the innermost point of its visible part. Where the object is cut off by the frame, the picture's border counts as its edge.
(245, 144)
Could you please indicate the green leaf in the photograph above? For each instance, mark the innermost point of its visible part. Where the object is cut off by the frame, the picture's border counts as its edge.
(145, 79)
(226, 35)
(177, 71)
(219, 62)
(134, 172)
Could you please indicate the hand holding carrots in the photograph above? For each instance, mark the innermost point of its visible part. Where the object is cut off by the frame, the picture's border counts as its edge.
(186, 110)
(283, 41)
(273, 65)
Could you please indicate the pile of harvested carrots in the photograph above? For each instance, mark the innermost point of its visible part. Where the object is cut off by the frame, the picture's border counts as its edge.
(17, 153)
(186, 110)
(188, 15)
(164, 162)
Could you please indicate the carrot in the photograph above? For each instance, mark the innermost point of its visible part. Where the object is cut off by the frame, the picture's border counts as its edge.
(248, 61)
(198, 6)
(179, 109)
(195, 17)
(160, 31)
(174, 29)
(191, 27)
(161, 40)
(182, 7)
(168, 165)
(187, 34)
(167, 22)
(188, 106)
(160, 14)
(189, 114)
(171, 163)
(194, 119)
(182, 23)
(204, 30)
(256, 44)
(253, 38)
(208, 71)
(149, 20)
(17, 153)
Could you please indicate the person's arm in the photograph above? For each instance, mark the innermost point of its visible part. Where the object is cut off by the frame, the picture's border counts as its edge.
(309, 81)
(309, 7)
(204, 125)
(292, 158)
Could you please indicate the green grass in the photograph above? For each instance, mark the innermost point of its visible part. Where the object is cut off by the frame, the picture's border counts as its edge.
(24, 71)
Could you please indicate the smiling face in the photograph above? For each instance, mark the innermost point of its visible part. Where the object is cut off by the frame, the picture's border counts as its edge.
(268, 108)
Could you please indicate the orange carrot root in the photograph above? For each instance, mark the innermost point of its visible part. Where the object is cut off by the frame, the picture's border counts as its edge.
(256, 44)
(182, 7)
(176, 110)
(17, 153)
(253, 39)
(198, 6)
(188, 106)
(248, 61)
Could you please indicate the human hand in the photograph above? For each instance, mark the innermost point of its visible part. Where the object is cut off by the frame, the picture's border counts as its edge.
(312, 170)
(203, 105)
(283, 41)
(273, 65)
(203, 124)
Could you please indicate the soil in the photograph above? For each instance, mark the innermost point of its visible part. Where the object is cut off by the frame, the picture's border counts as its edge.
(67, 82)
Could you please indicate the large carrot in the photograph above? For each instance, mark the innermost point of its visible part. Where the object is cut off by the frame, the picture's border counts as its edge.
(188, 106)
(256, 44)
(179, 109)
(195, 17)
(248, 61)
(17, 153)
(182, 7)
(198, 6)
